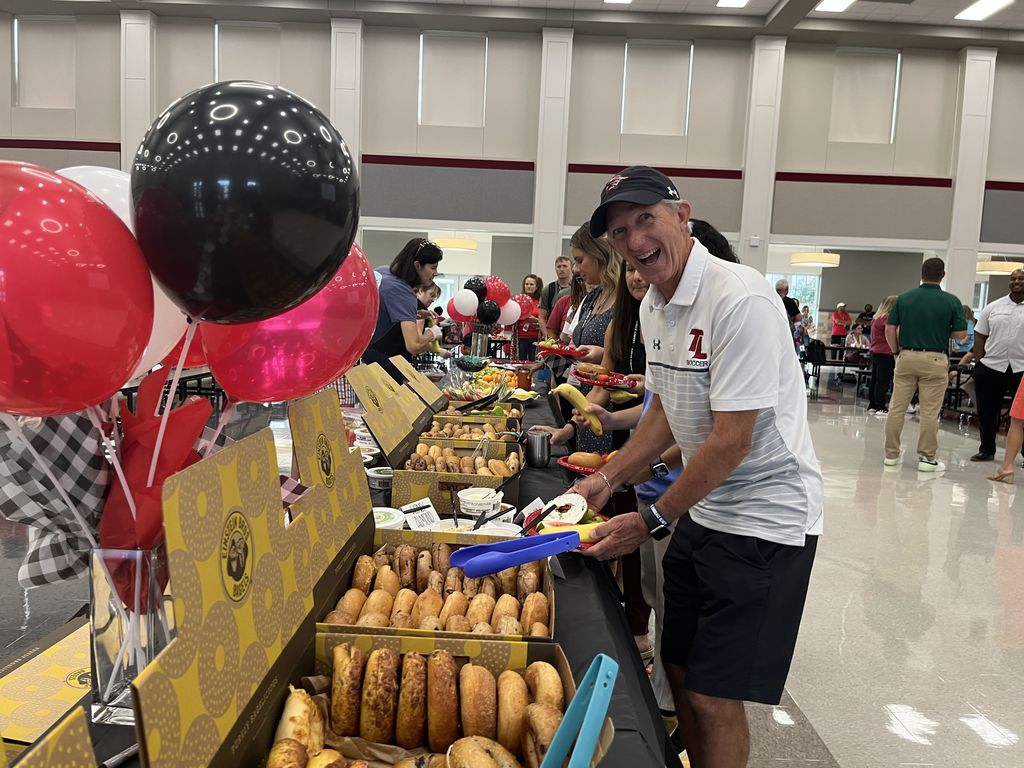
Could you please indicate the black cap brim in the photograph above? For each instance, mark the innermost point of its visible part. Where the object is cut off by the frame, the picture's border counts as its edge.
(599, 219)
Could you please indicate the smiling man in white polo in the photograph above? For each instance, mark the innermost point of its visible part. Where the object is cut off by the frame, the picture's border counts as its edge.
(729, 391)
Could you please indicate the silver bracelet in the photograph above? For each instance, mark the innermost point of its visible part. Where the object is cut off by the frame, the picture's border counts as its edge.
(607, 482)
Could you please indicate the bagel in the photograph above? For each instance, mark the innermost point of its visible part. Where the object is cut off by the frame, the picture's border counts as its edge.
(379, 601)
(506, 606)
(401, 620)
(404, 601)
(382, 556)
(507, 580)
(480, 609)
(411, 722)
(373, 620)
(427, 604)
(539, 630)
(452, 581)
(351, 602)
(346, 685)
(455, 605)
(478, 696)
(442, 701)
(586, 459)
(545, 685)
(499, 468)
(431, 624)
(539, 725)
(457, 623)
(287, 753)
(591, 369)
(362, 575)
(471, 586)
(478, 752)
(508, 625)
(380, 696)
(526, 584)
(424, 564)
(440, 554)
(435, 582)
(513, 698)
(339, 617)
(387, 580)
(489, 585)
(404, 565)
(327, 758)
(535, 610)
(482, 628)
(302, 721)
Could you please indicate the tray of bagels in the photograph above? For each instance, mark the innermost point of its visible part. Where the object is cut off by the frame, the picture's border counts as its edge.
(416, 702)
(407, 586)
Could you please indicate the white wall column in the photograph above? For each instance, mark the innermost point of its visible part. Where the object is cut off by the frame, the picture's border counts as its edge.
(347, 82)
(978, 74)
(138, 84)
(552, 151)
(768, 56)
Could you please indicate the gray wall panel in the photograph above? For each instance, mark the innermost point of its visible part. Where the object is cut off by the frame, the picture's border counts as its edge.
(452, 194)
(861, 210)
(718, 201)
(1001, 220)
(510, 259)
(381, 246)
(867, 277)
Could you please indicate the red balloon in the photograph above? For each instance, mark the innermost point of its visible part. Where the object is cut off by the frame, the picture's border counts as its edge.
(76, 298)
(455, 315)
(497, 290)
(526, 303)
(306, 348)
(196, 354)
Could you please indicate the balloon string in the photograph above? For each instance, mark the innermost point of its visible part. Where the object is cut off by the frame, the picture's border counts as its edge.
(225, 416)
(114, 460)
(189, 334)
(115, 414)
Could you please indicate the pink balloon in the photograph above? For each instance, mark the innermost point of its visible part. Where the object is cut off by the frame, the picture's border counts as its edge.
(306, 348)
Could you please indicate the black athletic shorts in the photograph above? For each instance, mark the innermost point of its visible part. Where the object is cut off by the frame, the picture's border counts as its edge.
(732, 610)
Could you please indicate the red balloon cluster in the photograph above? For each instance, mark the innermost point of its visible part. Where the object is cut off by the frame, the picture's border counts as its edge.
(76, 299)
(497, 290)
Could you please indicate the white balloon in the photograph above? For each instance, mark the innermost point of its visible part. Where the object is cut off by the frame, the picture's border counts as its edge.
(466, 302)
(510, 313)
(113, 187)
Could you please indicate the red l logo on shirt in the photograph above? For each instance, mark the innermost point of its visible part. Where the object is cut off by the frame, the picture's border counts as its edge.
(697, 344)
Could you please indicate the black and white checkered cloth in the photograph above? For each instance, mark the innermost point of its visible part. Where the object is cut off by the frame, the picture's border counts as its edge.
(58, 550)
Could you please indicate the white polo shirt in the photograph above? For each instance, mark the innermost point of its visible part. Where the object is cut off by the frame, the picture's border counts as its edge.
(1002, 322)
(722, 343)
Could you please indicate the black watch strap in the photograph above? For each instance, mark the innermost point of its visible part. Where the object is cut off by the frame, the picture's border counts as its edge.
(652, 520)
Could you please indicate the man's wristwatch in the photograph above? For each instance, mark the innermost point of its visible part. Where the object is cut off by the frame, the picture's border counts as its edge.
(656, 524)
(659, 469)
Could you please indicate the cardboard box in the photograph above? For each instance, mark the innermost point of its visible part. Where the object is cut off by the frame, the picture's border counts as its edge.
(396, 425)
(247, 589)
(495, 655)
(423, 540)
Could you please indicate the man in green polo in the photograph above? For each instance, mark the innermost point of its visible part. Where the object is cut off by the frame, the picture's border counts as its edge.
(919, 327)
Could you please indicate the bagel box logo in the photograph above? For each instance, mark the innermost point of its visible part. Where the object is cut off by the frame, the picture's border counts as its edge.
(236, 557)
(325, 459)
(80, 678)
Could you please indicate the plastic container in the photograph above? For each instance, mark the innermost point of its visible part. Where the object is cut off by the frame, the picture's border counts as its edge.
(474, 502)
(388, 518)
(379, 478)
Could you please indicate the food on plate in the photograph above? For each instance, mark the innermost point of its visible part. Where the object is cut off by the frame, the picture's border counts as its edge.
(380, 696)
(592, 370)
(346, 686)
(411, 722)
(302, 721)
(442, 701)
(478, 697)
(545, 685)
(478, 752)
(539, 725)
(585, 459)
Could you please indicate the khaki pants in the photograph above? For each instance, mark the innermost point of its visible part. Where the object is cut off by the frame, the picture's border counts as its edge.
(928, 373)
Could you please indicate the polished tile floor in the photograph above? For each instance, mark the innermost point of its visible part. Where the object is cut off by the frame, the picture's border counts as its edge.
(912, 646)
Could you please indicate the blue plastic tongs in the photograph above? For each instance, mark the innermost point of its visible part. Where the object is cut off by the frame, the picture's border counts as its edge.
(483, 559)
(584, 717)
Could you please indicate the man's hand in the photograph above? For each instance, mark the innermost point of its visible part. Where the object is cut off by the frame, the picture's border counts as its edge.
(594, 490)
(636, 382)
(619, 536)
(559, 435)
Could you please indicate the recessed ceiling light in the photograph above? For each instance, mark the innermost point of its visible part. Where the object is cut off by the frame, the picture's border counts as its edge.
(833, 6)
(982, 10)
(732, 3)
(617, 2)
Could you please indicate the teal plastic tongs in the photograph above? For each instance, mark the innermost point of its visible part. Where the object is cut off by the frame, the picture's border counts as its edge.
(585, 716)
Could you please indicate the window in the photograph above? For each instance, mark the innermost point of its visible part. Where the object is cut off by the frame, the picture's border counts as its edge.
(453, 79)
(865, 95)
(656, 84)
(980, 295)
(804, 288)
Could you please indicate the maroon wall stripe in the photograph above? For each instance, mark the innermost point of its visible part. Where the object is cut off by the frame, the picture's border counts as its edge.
(82, 146)
(1009, 186)
(449, 162)
(693, 173)
(861, 178)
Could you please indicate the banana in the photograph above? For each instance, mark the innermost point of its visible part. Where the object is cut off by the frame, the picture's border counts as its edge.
(583, 530)
(619, 396)
(580, 403)
(436, 347)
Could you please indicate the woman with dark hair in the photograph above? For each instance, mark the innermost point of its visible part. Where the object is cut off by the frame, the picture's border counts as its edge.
(713, 240)
(396, 332)
(528, 328)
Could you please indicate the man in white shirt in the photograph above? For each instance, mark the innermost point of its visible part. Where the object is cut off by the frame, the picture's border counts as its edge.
(729, 391)
(998, 360)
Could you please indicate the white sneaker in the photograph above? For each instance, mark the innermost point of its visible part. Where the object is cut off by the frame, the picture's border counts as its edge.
(914, 409)
(892, 462)
(872, 411)
(882, 414)
(929, 465)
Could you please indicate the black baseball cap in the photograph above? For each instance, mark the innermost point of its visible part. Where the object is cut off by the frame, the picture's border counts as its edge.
(638, 184)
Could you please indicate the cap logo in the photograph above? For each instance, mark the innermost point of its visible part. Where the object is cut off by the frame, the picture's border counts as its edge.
(672, 192)
(613, 183)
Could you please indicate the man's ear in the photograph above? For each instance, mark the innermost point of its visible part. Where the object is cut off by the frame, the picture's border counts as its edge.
(684, 211)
